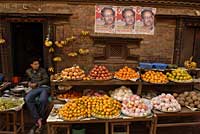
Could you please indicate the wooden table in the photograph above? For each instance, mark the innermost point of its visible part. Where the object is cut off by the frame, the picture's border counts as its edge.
(185, 112)
(11, 124)
(55, 122)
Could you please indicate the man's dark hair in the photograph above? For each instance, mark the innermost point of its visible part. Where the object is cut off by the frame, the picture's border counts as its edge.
(31, 60)
(107, 8)
(127, 9)
(146, 10)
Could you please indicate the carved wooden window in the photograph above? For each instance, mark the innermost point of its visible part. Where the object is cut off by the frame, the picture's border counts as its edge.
(115, 50)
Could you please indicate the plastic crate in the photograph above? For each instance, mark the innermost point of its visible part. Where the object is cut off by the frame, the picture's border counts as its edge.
(159, 65)
(76, 131)
(145, 65)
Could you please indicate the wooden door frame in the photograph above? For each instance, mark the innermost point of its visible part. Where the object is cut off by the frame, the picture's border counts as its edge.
(7, 62)
(181, 22)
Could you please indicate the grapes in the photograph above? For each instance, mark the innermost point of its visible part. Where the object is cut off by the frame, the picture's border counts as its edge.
(8, 103)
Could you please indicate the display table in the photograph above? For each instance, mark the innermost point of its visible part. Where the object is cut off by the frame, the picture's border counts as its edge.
(185, 112)
(3, 86)
(53, 122)
(13, 122)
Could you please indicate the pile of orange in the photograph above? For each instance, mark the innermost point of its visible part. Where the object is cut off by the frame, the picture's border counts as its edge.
(101, 107)
(126, 73)
(86, 78)
(69, 95)
(154, 77)
(73, 110)
(106, 107)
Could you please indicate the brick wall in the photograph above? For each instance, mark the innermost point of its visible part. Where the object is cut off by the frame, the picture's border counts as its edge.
(156, 48)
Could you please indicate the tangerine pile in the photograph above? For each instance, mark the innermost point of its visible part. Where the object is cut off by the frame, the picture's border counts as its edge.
(70, 95)
(73, 110)
(154, 77)
(100, 107)
(126, 73)
(106, 107)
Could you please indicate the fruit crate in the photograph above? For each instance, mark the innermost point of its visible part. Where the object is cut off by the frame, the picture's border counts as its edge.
(159, 65)
(76, 131)
(145, 65)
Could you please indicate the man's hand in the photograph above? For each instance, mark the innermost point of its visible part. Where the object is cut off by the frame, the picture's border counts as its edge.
(32, 85)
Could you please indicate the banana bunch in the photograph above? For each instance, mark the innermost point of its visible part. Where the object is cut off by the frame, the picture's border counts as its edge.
(47, 42)
(57, 59)
(85, 33)
(51, 50)
(2, 41)
(73, 38)
(51, 69)
(83, 51)
(189, 64)
(60, 43)
(72, 54)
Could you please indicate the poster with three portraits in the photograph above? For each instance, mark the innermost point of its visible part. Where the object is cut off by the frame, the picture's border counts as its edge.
(124, 19)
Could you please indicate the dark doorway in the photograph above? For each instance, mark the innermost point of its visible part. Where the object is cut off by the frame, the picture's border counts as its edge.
(190, 45)
(27, 42)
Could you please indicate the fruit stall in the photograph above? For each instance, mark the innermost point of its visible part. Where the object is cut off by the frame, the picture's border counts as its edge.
(123, 97)
(112, 63)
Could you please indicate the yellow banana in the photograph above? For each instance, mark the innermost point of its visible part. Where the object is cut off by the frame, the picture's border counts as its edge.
(73, 38)
(62, 42)
(83, 51)
(58, 44)
(84, 33)
(48, 43)
(72, 54)
(57, 59)
(51, 50)
(2, 41)
(51, 69)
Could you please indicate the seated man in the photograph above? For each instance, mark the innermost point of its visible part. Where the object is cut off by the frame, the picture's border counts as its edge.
(39, 83)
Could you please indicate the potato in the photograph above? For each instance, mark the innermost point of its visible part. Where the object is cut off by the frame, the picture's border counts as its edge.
(196, 103)
(194, 97)
(175, 95)
(193, 93)
(198, 94)
(186, 103)
(181, 95)
(178, 98)
(190, 101)
(198, 106)
(182, 103)
(188, 98)
(186, 93)
(182, 98)
(191, 105)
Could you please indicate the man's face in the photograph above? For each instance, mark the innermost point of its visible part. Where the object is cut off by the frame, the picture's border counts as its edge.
(129, 17)
(35, 65)
(108, 17)
(148, 19)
